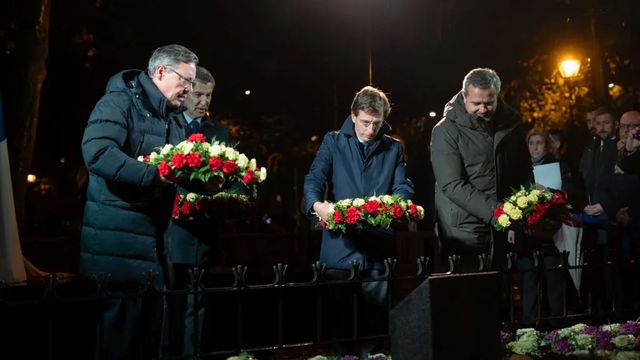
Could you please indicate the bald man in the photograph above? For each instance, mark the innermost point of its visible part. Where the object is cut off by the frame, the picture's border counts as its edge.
(628, 121)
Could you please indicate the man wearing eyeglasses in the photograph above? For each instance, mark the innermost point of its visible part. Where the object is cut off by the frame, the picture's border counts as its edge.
(128, 201)
(358, 160)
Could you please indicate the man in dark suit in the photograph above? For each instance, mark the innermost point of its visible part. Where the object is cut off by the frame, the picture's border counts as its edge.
(190, 241)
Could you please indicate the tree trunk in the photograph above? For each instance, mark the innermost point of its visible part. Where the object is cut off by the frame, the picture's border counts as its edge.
(32, 48)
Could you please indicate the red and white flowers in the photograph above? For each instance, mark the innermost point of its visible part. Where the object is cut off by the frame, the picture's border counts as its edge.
(531, 205)
(378, 211)
(198, 160)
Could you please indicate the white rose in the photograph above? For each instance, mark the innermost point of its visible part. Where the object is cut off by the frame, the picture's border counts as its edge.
(387, 199)
(187, 147)
(344, 202)
(166, 149)
(205, 146)
(153, 156)
(243, 161)
(253, 164)
(358, 202)
(141, 158)
(231, 153)
(263, 174)
(215, 150)
(223, 148)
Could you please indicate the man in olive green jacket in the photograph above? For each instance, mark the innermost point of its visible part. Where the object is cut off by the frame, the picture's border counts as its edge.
(479, 154)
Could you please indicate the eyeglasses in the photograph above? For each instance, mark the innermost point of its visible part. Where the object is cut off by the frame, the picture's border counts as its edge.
(629, 126)
(185, 81)
(367, 123)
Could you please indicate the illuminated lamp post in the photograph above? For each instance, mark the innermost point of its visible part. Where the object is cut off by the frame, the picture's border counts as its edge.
(569, 69)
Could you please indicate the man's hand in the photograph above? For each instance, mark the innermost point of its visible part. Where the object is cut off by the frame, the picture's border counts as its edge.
(322, 209)
(511, 237)
(171, 178)
(631, 143)
(213, 185)
(622, 216)
(594, 210)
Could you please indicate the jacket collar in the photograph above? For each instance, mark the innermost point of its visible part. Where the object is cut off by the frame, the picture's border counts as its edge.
(142, 88)
(504, 118)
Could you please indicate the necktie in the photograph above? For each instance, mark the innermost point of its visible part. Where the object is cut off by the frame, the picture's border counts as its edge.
(365, 148)
(195, 126)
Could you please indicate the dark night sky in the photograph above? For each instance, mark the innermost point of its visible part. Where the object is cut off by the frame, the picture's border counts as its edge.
(302, 59)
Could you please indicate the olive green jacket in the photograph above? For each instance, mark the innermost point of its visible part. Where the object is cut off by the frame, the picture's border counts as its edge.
(476, 164)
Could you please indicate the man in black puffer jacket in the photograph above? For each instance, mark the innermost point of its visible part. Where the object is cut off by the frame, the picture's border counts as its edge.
(128, 201)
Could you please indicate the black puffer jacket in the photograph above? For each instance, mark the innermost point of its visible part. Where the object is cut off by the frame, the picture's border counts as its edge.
(126, 211)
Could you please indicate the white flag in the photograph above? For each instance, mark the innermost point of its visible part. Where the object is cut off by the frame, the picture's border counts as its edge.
(11, 261)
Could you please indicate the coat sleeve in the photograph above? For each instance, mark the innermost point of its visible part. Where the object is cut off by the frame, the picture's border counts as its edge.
(451, 178)
(401, 184)
(319, 173)
(103, 141)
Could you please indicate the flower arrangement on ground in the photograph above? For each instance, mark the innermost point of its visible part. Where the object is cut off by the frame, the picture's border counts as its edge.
(199, 160)
(384, 211)
(534, 207)
(614, 341)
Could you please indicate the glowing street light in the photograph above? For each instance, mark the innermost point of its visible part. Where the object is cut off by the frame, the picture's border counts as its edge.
(569, 68)
(432, 114)
(31, 178)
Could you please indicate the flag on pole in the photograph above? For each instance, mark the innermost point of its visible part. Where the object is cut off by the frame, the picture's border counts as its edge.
(11, 261)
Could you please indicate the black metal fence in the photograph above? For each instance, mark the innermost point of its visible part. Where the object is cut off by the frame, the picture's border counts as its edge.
(56, 318)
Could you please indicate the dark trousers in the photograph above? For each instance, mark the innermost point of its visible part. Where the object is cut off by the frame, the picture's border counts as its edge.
(186, 315)
(130, 328)
(530, 280)
(371, 318)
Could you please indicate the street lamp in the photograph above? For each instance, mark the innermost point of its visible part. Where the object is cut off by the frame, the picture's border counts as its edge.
(569, 68)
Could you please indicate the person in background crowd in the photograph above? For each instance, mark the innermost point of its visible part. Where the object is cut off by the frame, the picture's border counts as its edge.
(597, 167)
(539, 147)
(128, 201)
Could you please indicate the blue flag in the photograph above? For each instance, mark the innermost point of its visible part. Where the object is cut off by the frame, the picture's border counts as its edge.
(11, 260)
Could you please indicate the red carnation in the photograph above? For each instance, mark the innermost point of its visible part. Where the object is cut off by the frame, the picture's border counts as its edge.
(396, 211)
(352, 215)
(163, 168)
(413, 210)
(498, 211)
(175, 212)
(372, 206)
(194, 160)
(337, 217)
(178, 160)
(146, 158)
(215, 163)
(197, 137)
(323, 224)
(248, 178)
(229, 167)
(186, 208)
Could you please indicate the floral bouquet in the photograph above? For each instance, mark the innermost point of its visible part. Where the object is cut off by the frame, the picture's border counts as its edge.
(595, 342)
(199, 160)
(541, 210)
(379, 211)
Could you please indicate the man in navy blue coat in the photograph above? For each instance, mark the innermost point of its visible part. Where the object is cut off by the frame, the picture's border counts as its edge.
(358, 160)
